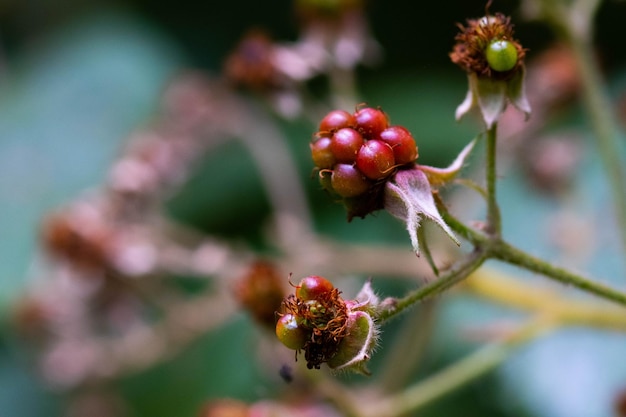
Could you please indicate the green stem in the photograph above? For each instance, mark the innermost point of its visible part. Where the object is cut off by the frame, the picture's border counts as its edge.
(454, 376)
(468, 233)
(600, 110)
(421, 235)
(499, 249)
(435, 287)
(494, 223)
(508, 253)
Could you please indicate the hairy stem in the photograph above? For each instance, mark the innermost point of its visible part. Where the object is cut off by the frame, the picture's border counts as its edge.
(494, 223)
(468, 233)
(512, 255)
(503, 251)
(435, 287)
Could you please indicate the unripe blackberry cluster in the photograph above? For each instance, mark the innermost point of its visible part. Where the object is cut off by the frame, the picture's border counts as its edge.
(356, 153)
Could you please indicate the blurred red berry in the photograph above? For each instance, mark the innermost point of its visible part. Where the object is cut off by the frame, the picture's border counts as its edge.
(260, 291)
(85, 245)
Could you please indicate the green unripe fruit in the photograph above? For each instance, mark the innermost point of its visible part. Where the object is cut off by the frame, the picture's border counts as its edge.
(290, 333)
(501, 55)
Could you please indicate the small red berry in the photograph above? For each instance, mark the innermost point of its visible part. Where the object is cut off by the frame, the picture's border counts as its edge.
(345, 144)
(402, 143)
(290, 333)
(370, 122)
(323, 156)
(375, 159)
(313, 287)
(347, 181)
(337, 119)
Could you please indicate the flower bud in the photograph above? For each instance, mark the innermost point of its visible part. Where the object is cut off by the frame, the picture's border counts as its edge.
(356, 347)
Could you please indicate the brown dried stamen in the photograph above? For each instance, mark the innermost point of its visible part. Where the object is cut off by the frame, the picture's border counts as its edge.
(326, 318)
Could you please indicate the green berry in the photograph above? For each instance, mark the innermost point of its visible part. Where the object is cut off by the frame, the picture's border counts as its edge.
(290, 333)
(501, 55)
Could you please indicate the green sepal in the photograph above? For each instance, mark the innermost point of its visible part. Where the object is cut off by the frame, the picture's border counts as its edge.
(441, 176)
(409, 197)
(356, 347)
(491, 95)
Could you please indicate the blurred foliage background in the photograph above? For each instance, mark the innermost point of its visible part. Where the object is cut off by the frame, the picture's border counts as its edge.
(76, 78)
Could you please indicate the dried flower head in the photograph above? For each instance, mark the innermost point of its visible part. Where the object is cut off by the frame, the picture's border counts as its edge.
(325, 321)
(327, 328)
(478, 45)
(494, 62)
